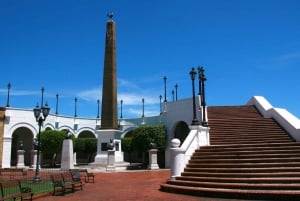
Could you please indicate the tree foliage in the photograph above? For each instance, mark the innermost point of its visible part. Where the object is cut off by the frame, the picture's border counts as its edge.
(51, 142)
(126, 143)
(143, 136)
(87, 145)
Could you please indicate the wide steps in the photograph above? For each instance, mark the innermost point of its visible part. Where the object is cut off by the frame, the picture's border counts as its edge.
(250, 157)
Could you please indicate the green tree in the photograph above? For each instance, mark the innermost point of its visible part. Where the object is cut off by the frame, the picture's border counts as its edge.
(51, 143)
(143, 136)
(126, 143)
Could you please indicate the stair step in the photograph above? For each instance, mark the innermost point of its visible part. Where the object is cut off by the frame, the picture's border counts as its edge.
(233, 193)
(248, 160)
(241, 174)
(242, 165)
(244, 170)
(260, 186)
(257, 180)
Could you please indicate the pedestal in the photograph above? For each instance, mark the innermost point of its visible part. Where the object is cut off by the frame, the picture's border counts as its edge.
(153, 159)
(111, 161)
(20, 159)
(104, 137)
(67, 161)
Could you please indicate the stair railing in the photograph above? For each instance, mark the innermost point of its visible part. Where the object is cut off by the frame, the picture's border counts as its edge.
(180, 155)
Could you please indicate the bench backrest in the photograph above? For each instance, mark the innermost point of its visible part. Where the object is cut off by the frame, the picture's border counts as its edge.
(67, 176)
(10, 187)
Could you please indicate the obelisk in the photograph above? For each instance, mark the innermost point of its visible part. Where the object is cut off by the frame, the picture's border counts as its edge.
(109, 111)
(109, 121)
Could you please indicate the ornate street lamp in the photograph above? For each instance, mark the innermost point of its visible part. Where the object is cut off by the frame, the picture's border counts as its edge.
(75, 114)
(165, 87)
(121, 116)
(8, 92)
(143, 102)
(173, 95)
(203, 79)
(98, 110)
(200, 72)
(160, 97)
(40, 115)
(176, 87)
(193, 76)
(56, 108)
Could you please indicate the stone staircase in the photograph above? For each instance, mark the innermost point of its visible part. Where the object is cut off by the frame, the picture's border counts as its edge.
(250, 157)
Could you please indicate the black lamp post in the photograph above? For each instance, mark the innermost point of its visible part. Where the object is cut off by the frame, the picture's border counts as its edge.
(143, 101)
(176, 87)
(165, 87)
(160, 97)
(56, 108)
(193, 76)
(173, 95)
(75, 114)
(40, 115)
(200, 71)
(121, 116)
(98, 110)
(203, 79)
(8, 92)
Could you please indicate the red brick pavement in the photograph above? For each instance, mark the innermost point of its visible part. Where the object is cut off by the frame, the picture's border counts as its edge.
(127, 186)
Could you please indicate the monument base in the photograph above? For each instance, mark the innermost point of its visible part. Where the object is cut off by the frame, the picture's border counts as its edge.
(67, 161)
(153, 159)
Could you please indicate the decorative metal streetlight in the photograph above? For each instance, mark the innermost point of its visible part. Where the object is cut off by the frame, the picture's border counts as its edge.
(40, 114)
(98, 110)
(193, 76)
(8, 92)
(56, 110)
(121, 116)
(200, 72)
(143, 102)
(203, 79)
(173, 95)
(160, 97)
(165, 87)
(176, 87)
(75, 114)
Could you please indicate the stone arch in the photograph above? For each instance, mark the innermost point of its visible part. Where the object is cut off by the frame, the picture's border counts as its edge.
(86, 134)
(26, 136)
(181, 131)
(128, 132)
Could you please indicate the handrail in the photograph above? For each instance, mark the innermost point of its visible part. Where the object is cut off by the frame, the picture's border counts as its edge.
(180, 156)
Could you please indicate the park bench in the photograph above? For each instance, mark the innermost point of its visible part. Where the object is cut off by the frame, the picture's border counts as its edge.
(12, 190)
(89, 177)
(68, 178)
(13, 172)
(59, 185)
(76, 176)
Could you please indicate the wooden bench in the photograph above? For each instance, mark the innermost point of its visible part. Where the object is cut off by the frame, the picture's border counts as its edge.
(12, 190)
(13, 172)
(89, 177)
(76, 176)
(59, 185)
(68, 178)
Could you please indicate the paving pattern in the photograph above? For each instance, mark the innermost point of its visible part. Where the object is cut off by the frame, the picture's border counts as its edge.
(127, 186)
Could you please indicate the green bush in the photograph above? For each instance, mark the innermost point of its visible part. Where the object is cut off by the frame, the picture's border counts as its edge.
(126, 143)
(144, 135)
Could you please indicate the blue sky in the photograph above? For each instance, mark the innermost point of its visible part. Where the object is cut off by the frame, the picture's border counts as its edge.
(247, 47)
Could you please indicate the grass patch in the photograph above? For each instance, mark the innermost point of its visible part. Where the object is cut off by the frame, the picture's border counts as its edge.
(44, 186)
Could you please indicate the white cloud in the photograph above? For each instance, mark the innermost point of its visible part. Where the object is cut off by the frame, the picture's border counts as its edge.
(90, 94)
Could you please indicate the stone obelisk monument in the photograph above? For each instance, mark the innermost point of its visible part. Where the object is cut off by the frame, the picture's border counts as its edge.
(109, 121)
